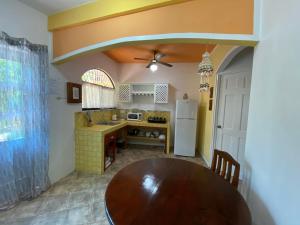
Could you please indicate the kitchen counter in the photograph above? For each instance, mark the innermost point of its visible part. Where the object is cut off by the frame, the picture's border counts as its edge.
(89, 143)
(110, 128)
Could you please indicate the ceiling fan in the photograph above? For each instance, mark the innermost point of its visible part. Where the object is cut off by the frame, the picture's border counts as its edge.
(155, 60)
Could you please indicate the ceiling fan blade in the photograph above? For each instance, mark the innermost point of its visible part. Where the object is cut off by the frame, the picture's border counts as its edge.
(148, 66)
(158, 56)
(141, 59)
(165, 64)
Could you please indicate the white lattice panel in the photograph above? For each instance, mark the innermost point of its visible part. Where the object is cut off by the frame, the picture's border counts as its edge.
(161, 92)
(124, 93)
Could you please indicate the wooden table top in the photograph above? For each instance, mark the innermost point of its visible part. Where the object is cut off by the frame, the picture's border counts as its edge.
(173, 192)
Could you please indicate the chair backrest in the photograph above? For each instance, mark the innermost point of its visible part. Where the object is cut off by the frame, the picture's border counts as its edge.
(222, 165)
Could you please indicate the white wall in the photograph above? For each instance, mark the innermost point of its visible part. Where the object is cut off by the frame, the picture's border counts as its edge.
(61, 137)
(62, 159)
(74, 69)
(19, 20)
(182, 78)
(273, 139)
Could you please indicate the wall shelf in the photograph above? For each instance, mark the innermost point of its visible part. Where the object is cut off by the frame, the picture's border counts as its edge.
(160, 92)
(144, 93)
(143, 138)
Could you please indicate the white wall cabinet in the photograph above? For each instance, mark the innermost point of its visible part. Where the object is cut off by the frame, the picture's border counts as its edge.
(124, 94)
(159, 92)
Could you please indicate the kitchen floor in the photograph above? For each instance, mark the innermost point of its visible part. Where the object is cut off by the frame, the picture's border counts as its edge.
(77, 199)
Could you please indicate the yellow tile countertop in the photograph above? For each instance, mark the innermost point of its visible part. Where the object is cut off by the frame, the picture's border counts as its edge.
(89, 143)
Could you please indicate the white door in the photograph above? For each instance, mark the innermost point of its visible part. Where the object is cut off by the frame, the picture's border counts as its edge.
(232, 114)
(185, 137)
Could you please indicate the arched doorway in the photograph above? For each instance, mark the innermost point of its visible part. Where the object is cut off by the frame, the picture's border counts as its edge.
(232, 102)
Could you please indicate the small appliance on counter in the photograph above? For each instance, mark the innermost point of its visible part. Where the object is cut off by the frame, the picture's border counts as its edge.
(157, 120)
(134, 116)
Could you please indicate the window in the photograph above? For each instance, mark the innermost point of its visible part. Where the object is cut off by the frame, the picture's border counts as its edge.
(98, 90)
(11, 98)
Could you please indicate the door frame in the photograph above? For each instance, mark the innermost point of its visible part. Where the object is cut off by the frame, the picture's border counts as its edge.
(220, 72)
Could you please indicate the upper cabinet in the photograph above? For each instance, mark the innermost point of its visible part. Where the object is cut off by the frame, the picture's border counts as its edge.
(125, 93)
(159, 92)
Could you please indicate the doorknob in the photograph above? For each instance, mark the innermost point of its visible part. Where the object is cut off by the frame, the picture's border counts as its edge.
(219, 126)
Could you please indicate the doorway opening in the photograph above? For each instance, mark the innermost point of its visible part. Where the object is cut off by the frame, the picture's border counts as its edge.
(232, 104)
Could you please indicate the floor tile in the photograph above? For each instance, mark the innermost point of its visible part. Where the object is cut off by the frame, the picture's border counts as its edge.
(79, 215)
(28, 208)
(20, 221)
(98, 212)
(54, 203)
(57, 218)
(78, 199)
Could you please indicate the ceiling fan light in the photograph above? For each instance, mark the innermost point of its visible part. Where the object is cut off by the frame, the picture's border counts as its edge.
(153, 67)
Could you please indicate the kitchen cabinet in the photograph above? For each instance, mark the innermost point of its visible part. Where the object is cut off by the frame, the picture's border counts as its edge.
(124, 93)
(110, 143)
(159, 92)
(143, 135)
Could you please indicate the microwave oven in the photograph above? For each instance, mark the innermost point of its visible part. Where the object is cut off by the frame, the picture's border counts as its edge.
(134, 116)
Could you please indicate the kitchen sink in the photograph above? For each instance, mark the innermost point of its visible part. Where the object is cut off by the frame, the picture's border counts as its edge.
(109, 123)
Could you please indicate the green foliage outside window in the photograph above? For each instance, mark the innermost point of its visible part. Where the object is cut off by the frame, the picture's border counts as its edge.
(11, 101)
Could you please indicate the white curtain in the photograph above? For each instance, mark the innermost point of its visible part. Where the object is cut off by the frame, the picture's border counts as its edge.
(24, 152)
(95, 96)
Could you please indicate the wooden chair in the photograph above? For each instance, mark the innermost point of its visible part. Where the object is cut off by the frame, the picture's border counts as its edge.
(222, 165)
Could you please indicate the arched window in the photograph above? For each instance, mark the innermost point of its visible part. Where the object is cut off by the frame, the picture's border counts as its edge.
(98, 77)
(98, 90)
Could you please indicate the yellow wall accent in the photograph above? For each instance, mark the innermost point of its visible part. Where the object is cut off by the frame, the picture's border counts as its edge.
(205, 116)
(103, 9)
(198, 16)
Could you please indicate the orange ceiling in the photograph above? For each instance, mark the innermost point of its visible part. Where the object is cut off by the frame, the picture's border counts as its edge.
(175, 53)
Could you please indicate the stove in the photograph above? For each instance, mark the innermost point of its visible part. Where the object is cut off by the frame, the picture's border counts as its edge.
(157, 119)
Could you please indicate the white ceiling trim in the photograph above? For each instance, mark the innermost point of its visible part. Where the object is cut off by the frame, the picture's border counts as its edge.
(206, 38)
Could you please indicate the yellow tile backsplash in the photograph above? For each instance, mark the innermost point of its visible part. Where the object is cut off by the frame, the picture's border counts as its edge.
(87, 150)
(81, 118)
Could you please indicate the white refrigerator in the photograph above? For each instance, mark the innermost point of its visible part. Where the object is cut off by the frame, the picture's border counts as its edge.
(185, 127)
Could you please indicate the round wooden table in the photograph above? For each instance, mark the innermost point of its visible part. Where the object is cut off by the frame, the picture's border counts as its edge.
(173, 192)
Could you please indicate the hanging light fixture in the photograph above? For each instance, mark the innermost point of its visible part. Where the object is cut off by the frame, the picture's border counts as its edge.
(204, 85)
(153, 67)
(205, 66)
(205, 69)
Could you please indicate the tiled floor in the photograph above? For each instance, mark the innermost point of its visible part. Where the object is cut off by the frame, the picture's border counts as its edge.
(76, 199)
